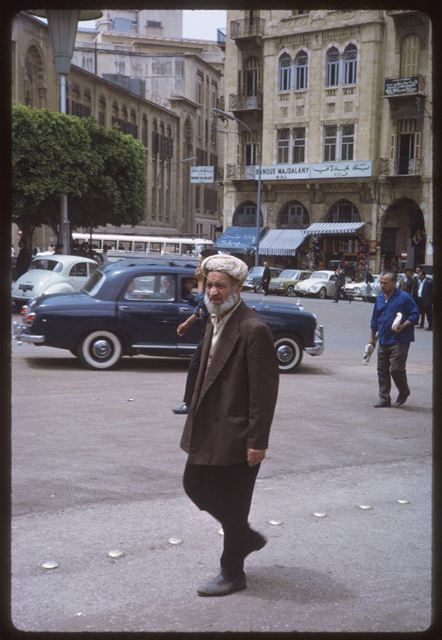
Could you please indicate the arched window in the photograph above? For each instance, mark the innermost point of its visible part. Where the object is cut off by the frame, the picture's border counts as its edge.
(350, 64)
(34, 90)
(294, 216)
(245, 215)
(301, 70)
(285, 63)
(410, 47)
(343, 211)
(332, 58)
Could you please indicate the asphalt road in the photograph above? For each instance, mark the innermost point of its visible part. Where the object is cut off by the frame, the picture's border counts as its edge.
(96, 467)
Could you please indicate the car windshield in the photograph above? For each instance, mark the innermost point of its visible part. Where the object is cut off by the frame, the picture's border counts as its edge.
(94, 283)
(288, 273)
(319, 275)
(255, 271)
(46, 264)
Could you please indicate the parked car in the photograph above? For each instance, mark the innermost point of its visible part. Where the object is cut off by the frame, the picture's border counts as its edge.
(284, 284)
(320, 284)
(133, 307)
(52, 273)
(254, 278)
(365, 290)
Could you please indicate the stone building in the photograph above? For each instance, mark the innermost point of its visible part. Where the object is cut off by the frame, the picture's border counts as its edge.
(144, 51)
(336, 106)
(173, 129)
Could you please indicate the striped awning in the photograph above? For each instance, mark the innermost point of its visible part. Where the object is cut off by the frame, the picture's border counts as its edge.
(282, 242)
(334, 228)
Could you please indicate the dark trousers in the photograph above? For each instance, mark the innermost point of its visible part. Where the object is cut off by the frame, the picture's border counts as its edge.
(192, 373)
(265, 288)
(425, 310)
(391, 364)
(226, 493)
(338, 293)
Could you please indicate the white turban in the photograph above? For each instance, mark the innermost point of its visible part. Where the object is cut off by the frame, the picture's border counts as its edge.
(234, 267)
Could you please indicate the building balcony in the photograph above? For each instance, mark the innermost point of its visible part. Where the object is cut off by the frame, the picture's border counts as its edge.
(241, 102)
(242, 30)
(240, 172)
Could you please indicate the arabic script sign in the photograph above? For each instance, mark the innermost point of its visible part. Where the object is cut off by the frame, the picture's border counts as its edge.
(321, 170)
(400, 86)
(202, 174)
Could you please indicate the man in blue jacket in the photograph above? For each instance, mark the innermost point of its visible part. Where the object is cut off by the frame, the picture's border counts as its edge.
(394, 338)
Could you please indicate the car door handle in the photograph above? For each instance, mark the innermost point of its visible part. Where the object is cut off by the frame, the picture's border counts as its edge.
(184, 309)
(124, 306)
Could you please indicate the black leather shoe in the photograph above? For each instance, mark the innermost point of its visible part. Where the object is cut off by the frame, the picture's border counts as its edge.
(255, 542)
(382, 403)
(221, 586)
(400, 400)
(181, 408)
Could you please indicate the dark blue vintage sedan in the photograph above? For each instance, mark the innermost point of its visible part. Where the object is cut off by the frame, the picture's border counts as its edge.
(134, 306)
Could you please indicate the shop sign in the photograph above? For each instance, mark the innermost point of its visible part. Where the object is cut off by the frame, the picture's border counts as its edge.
(401, 86)
(315, 171)
(202, 175)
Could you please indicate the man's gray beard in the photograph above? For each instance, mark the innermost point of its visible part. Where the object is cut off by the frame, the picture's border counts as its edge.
(225, 306)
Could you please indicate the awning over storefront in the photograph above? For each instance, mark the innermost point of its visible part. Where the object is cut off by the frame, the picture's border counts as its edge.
(334, 228)
(238, 239)
(282, 242)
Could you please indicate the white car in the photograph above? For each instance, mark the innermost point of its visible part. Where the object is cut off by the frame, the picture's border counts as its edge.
(365, 290)
(320, 284)
(52, 273)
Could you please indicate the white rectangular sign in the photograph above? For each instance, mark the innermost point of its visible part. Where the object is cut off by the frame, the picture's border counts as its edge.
(202, 174)
(321, 170)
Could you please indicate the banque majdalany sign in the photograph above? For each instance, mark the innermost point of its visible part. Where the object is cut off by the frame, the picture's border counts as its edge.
(315, 171)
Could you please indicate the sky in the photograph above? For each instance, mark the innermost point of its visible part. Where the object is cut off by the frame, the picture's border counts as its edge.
(197, 24)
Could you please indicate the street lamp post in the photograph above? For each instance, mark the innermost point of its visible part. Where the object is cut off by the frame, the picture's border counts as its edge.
(62, 25)
(219, 113)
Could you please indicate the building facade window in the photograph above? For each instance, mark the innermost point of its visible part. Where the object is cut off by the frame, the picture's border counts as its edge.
(102, 111)
(245, 215)
(290, 145)
(410, 48)
(330, 141)
(332, 64)
(350, 60)
(285, 64)
(250, 148)
(406, 148)
(301, 70)
(343, 211)
(347, 141)
(294, 216)
(298, 145)
(339, 142)
(251, 79)
(283, 146)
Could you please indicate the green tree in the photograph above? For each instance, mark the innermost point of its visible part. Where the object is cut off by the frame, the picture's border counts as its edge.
(103, 172)
(51, 155)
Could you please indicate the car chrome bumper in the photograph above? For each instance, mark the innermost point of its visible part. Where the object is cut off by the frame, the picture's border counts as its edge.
(21, 336)
(319, 342)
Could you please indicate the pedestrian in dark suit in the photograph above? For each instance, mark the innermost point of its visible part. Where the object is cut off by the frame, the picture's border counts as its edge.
(266, 277)
(424, 299)
(23, 260)
(227, 429)
(339, 283)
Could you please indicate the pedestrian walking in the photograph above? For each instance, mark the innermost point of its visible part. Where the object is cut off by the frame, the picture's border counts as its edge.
(23, 259)
(408, 284)
(339, 283)
(424, 299)
(392, 325)
(266, 277)
(227, 429)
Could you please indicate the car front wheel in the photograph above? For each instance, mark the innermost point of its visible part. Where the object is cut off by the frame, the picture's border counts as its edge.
(100, 350)
(322, 293)
(290, 290)
(288, 352)
(258, 288)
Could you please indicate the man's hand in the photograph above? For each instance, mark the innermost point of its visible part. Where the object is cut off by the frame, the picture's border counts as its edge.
(181, 329)
(255, 456)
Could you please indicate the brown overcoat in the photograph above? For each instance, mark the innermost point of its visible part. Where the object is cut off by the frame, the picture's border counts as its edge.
(234, 401)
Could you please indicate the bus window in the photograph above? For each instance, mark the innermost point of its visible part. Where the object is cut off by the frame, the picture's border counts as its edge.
(124, 245)
(171, 247)
(140, 246)
(112, 244)
(186, 248)
(155, 247)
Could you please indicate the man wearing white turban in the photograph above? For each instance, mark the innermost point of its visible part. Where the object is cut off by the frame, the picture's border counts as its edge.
(227, 428)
